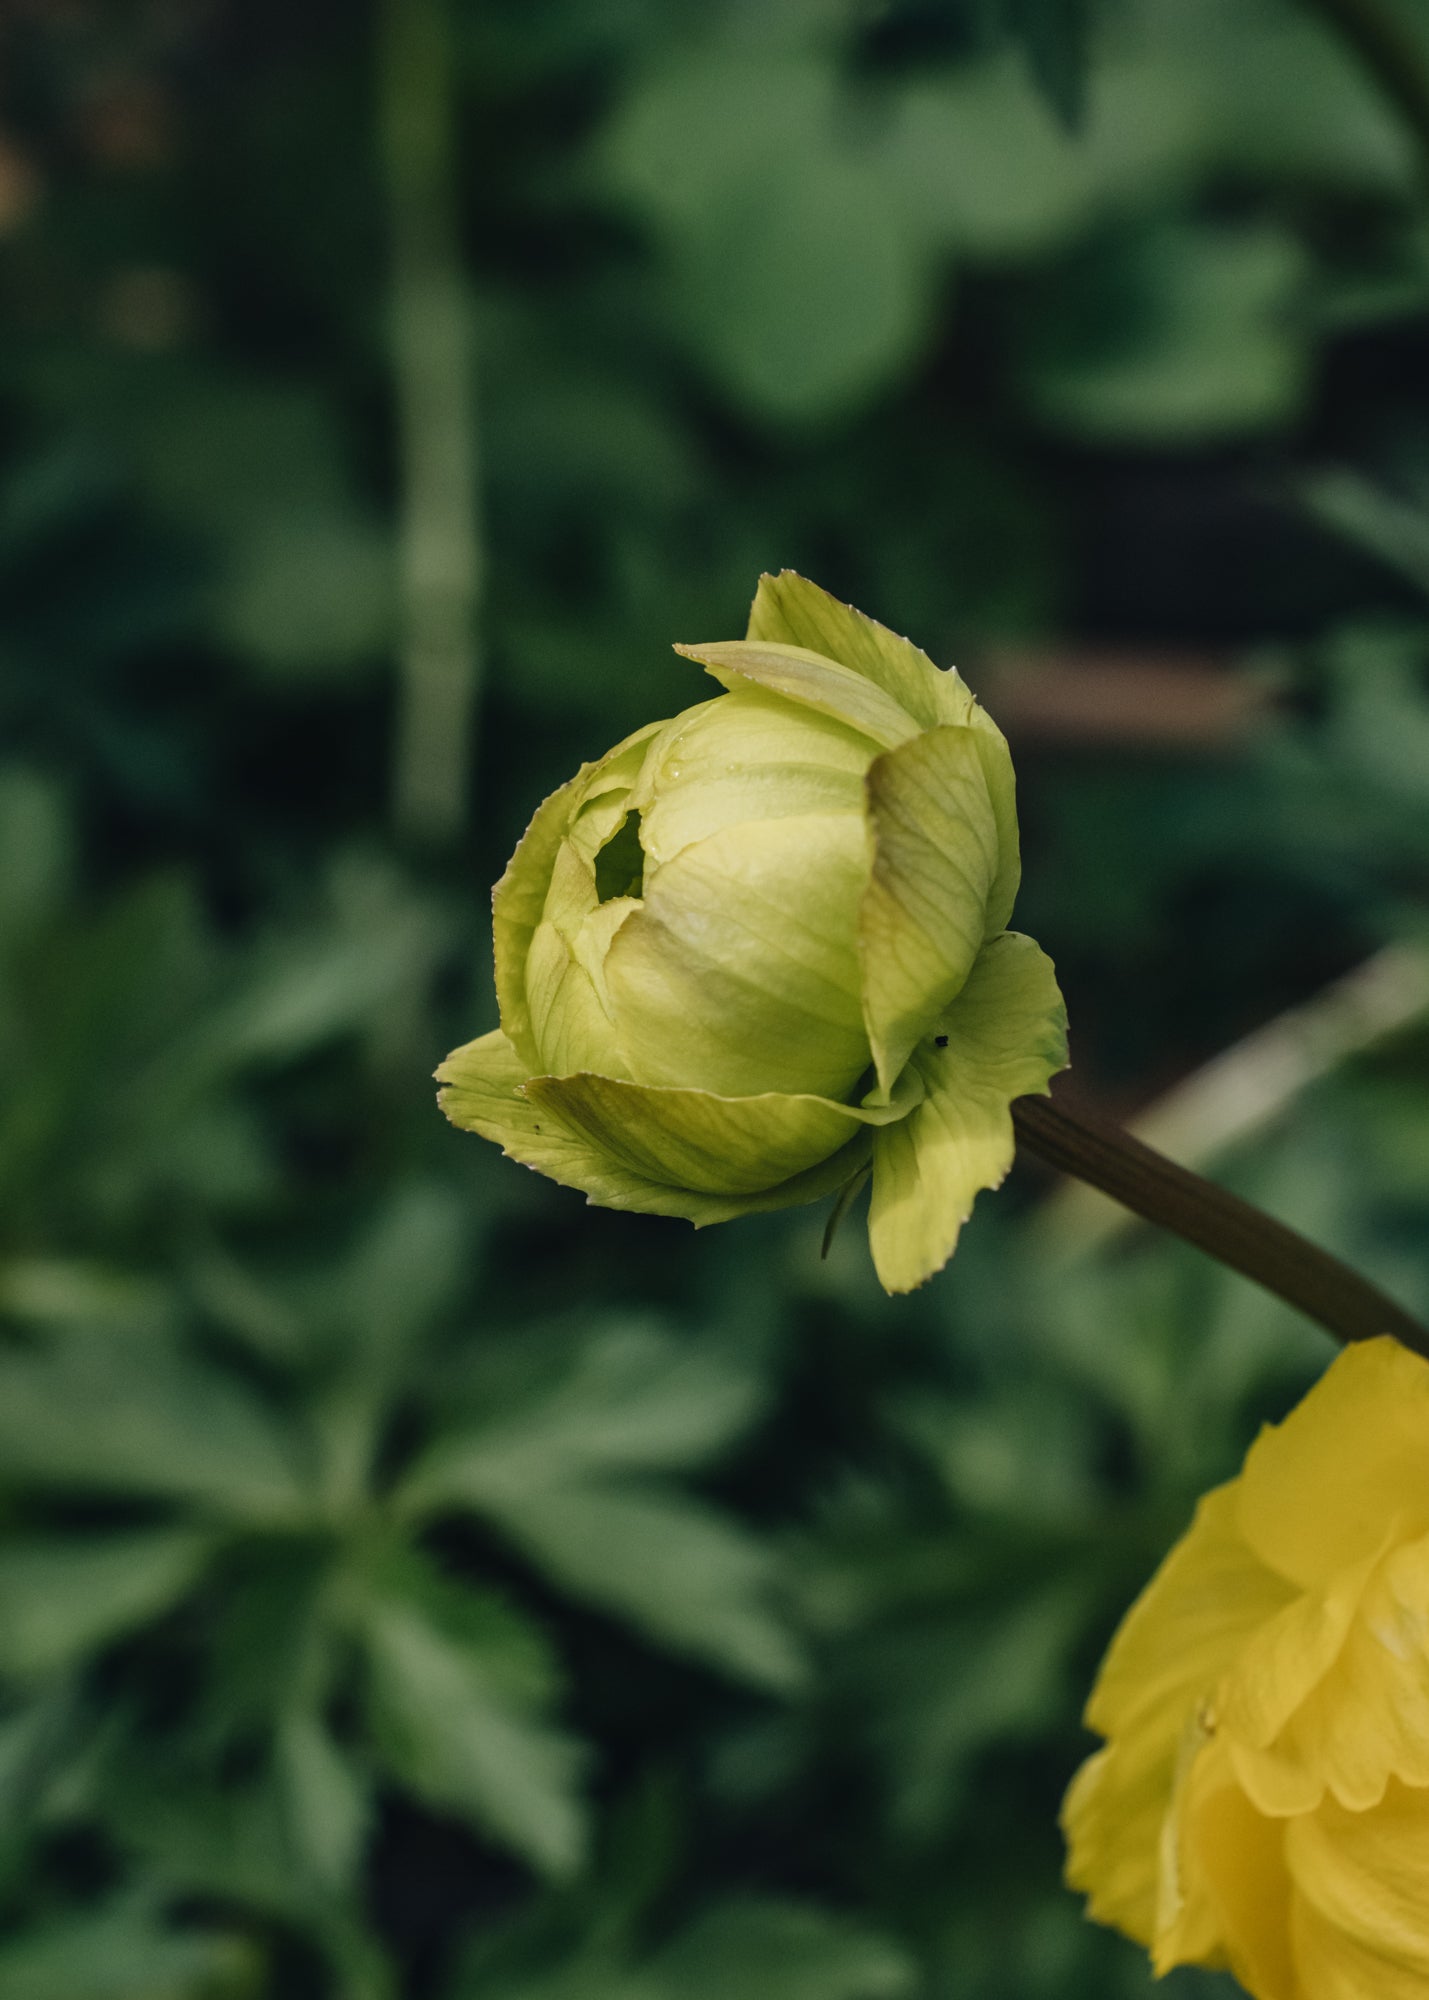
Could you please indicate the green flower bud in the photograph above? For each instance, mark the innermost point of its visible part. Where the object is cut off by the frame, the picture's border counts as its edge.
(759, 949)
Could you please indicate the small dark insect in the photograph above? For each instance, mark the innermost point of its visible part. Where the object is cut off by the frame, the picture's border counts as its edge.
(940, 1041)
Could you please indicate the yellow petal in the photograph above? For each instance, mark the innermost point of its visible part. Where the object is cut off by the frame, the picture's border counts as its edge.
(1367, 1719)
(1236, 1908)
(1162, 1670)
(1360, 1912)
(1270, 1712)
(1321, 1490)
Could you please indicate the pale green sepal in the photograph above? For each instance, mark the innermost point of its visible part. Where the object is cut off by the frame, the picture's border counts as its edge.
(923, 916)
(788, 610)
(518, 901)
(812, 681)
(485, 1093)
(692, 1139)
(1007, 1035)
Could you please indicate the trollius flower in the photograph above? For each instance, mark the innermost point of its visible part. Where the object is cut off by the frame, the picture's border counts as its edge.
(1262, 1800)
(758, 950)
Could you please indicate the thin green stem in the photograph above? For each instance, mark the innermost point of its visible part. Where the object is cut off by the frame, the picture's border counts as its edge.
(439, 535)
(1217, 1222)
(1391, 52)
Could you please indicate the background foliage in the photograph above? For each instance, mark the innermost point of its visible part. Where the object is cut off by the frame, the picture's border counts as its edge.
(412, 1582)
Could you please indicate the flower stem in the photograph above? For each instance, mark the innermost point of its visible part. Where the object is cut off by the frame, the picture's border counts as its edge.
(1220, 1223)
(440, 558)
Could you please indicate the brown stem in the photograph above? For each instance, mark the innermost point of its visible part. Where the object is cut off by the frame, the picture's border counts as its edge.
(1217, 1222)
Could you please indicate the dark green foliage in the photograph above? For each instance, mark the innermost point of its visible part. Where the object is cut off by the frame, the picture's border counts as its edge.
(413, 1583)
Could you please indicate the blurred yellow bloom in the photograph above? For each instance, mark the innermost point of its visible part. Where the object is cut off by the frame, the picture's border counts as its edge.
(1262, 1799)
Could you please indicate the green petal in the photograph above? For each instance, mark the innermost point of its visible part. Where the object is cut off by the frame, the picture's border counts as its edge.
(1006, 1035)
(740, 973)
(996, 762)
(923, 917)
(488, 1091)
(810, 680)
(693, 1139)
(750, 755)
(788, 610)
(519, 898)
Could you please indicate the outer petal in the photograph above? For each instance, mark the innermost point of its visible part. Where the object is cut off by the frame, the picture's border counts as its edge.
(488, 1091)
(748, 756)
(1322, 1490)
(788, 610)
(1160, 1675)
(996, 760)
(740, 972)
(1363, 1640)
(1360, 1914)
(694, 1139)
(1226, 1890)
(1006, 1036)
(811, 681)
(922, 920)
(519, 898)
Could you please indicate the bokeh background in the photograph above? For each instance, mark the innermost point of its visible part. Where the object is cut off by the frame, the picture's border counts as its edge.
(415, 1585)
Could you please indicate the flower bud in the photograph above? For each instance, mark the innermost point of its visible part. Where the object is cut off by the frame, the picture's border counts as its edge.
(1262, 1800)
(754, 952)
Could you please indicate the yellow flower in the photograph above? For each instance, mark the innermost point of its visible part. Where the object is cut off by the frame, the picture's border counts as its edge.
(1262, 1799)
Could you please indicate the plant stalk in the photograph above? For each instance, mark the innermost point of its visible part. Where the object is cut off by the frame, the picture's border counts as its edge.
(1220, 1223)
(440, 556)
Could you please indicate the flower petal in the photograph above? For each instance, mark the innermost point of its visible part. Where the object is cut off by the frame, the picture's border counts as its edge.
(520, 897)
(487, 1092)
(1230, 1864)
(746, 756)
(788, 610)
(739, 973)
(697, 1140)
(922, 921)
(1006, 1035)
(1163, 1668)
(811, 681)
(996, 761)
(1366, 1718)
(1360, 1913)
(1321, 1490)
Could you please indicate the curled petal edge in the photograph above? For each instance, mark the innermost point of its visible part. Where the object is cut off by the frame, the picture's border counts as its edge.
(569, 1128)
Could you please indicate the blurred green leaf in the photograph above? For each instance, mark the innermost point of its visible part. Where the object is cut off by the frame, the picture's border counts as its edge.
(629, 1399)
(328, 1807)
(800, 278)
(64, 1596)
(458, 1706)
(765, 1950)
(123, 1953)
(680, 1572)
(1392, 528)
(1177, 333)
(80, 1413)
